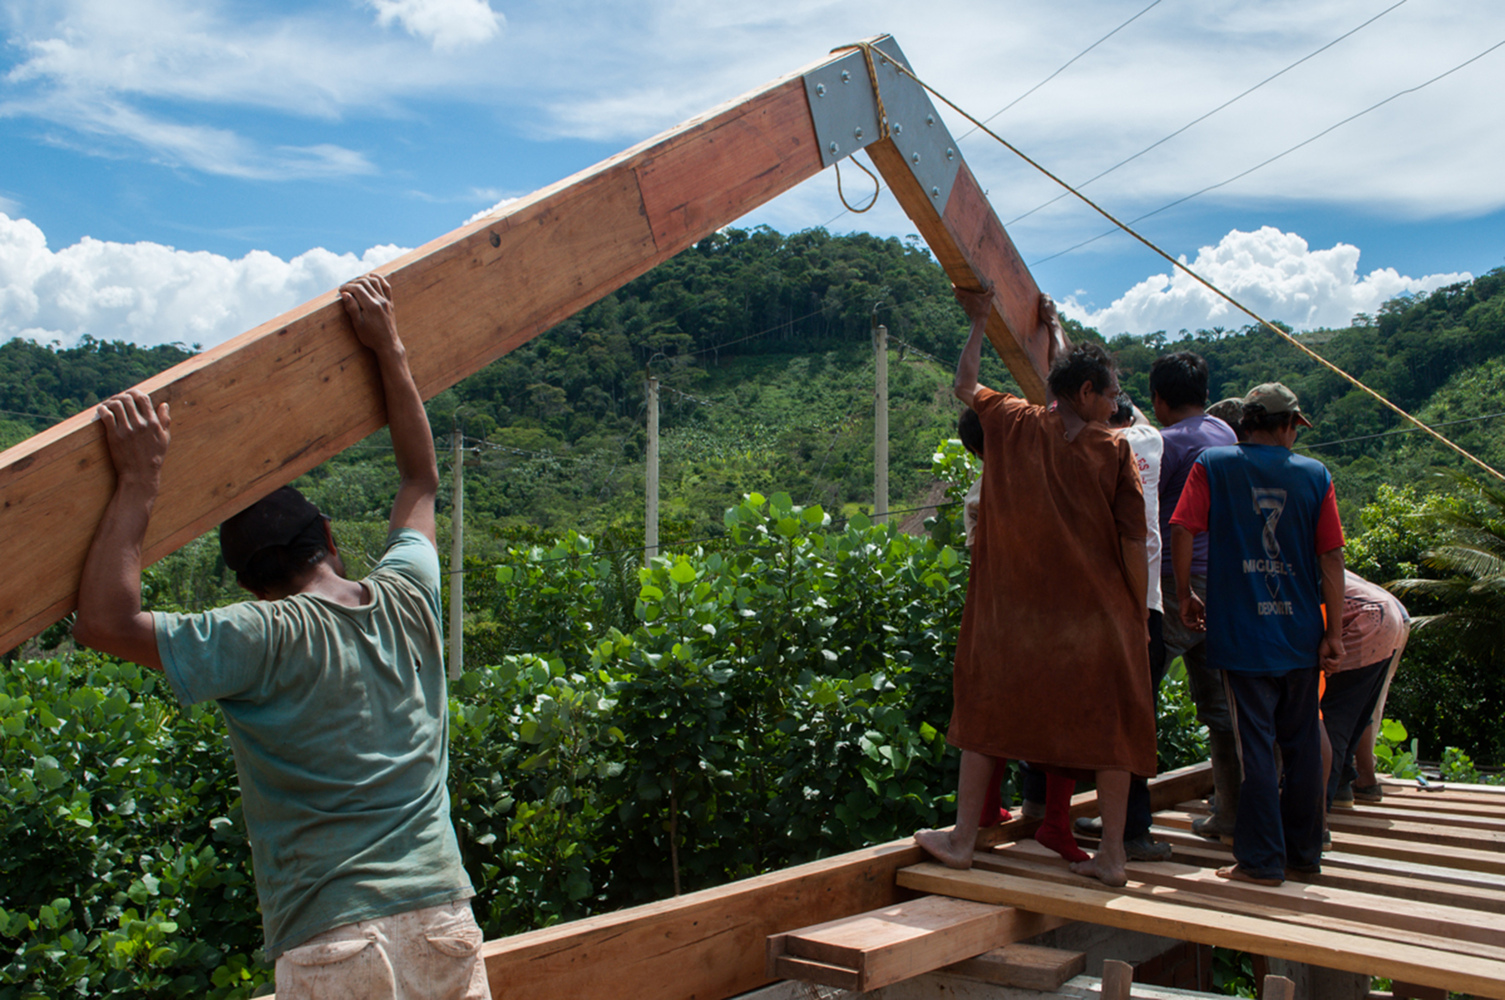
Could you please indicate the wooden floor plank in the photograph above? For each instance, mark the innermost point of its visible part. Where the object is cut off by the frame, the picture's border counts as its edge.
(1315, 945)
(1468, 929)
(1434, 829)
(1448, 798)
(1360, 874)
(1449, 787)
(1433, 811)
(1467, 859)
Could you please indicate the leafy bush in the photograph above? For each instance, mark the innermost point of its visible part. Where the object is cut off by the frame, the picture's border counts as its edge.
(637, 731)
(124, 869)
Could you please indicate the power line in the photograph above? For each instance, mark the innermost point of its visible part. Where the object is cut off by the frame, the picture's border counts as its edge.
(1153, 4)
(637, 550)
(1186, 269)
(1277, 156)
(1202, 118)
(37, 416)
(1399, 430)
(1031, 90)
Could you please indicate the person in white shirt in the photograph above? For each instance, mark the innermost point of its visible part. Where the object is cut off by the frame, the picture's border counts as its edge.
(1148, 447)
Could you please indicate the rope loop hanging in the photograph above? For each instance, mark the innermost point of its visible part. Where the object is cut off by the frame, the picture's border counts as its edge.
(877, 188)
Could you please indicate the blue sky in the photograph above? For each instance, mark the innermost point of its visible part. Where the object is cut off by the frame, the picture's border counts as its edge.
(180, 171)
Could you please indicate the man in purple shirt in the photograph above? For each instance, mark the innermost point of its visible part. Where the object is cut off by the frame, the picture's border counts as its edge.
(1178, 392)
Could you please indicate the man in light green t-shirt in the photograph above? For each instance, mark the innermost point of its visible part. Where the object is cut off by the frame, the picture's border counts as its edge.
(333, 692)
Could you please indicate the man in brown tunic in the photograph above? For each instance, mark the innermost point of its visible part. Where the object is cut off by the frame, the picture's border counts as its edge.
(1051, 662)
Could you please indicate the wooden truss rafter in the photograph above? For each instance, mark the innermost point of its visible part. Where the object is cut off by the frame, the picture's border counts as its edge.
(262, 409)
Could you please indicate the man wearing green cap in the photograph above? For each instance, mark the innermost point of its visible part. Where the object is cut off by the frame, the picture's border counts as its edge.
(333, 693)
(1275, 556)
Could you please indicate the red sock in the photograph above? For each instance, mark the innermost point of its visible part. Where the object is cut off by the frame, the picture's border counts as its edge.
(993, 812)
(1055, 828)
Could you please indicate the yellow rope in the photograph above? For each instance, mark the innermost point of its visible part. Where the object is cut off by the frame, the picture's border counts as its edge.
(877, 187)
(866, 48)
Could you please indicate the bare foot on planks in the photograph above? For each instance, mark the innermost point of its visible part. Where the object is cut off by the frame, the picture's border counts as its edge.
(942, 845)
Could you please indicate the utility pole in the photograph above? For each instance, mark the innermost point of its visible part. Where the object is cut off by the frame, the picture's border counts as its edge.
(650, 524)
(457, 557)
(880, 422)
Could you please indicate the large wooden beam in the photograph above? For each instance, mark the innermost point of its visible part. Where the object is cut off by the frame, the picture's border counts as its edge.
(868, 951)
(262, 409)
(707, 945)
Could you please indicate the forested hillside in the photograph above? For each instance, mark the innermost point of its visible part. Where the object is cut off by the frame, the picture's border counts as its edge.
(762, 344)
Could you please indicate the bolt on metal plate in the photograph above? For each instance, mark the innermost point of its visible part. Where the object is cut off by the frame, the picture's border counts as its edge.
(846, 117)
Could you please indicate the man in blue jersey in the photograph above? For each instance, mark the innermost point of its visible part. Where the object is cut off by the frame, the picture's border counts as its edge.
(1275, 556)
(333, 692)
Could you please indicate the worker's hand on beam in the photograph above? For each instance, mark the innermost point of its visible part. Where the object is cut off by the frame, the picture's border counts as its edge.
(976, 304)
(1056, 341)
(368, 302)
(137, 435)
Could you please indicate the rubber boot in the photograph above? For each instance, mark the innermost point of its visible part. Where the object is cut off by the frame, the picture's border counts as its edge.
(1227, 775)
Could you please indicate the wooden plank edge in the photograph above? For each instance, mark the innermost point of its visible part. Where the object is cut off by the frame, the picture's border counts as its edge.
(1023, 966)
(698, 928)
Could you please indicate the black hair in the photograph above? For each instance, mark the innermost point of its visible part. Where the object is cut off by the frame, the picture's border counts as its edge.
(1180, 379)
(1124, 415)
(278, 567)
(1257, 419)
(969, 429)
(1084, 363)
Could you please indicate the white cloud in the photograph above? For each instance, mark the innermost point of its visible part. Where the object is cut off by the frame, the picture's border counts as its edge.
(148, 293)
(1271, 272)
(447, 24)
(170, 77)
(487, 211)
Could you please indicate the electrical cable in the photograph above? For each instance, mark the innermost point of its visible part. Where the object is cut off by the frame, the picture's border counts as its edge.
(1202, 118)
(1399, 430)
(1064, 65)
(1245, 173)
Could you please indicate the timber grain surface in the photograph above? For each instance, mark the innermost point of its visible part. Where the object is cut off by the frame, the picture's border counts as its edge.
(1412, 890)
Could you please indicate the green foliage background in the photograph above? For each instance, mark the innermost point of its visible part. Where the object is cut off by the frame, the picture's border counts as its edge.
(772, 691)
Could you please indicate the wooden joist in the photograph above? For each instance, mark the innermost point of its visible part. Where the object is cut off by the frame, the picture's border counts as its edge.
(872, 950)
(262, 409)
(1445, 928)
(1023, 966)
